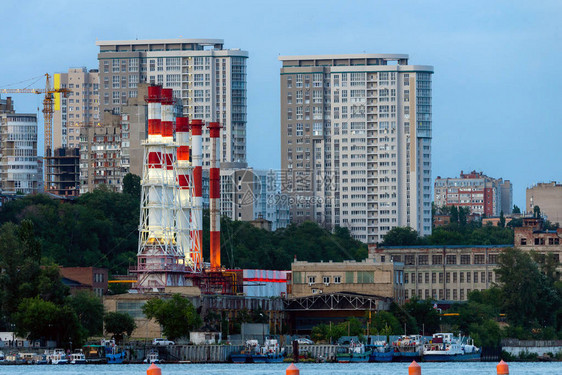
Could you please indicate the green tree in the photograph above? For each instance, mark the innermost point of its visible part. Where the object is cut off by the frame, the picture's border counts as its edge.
(385, 323)
(454, 214)
(502, 220)
(529, 297)
(89, 310)
(118, 324)
(132, 185)
(38, 319)
(177, 315)
(536, 211)
(401, 236)
(422, 311)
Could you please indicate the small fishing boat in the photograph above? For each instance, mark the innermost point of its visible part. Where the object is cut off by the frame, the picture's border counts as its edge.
(408, 348)
(58, 357)
(354, 352)
(78, 358)
(381, 352)
(272, 352)
(152, 357)
(445, 347)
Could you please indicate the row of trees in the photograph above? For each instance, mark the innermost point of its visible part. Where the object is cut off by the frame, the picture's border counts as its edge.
(34, 301)
(101, 229)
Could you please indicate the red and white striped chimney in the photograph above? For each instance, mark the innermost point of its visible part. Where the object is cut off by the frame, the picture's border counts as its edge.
(214, 196)
(197, 208)
(184, 199)
(155, 164)
(168, 156)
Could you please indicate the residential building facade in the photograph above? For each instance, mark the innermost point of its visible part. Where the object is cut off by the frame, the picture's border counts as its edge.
(548, 196)
(19, 172)
(100, 155)
(249, 194)
(482, 195)
(356, 142)
(79, 108)
(208, 80)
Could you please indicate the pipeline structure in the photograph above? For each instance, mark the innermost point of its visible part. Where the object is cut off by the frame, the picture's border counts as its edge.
(170, 250)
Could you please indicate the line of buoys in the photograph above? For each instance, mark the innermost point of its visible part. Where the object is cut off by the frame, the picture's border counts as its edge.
(414, 369)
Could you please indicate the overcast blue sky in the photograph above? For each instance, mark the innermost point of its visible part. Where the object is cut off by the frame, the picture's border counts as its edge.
(496, 87)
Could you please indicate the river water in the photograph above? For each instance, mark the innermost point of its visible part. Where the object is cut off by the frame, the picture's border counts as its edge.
(480, 368)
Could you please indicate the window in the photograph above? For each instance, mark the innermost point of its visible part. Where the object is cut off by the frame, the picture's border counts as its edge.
(349, 277)
(427, 277)
(326, 279)
(337, 279)
(423, 259)
(311, 279)
(440, 277)
(420, 277)
(461, 277)
(406, 277)
(447, 277)
(523, 241)
(478, 259)
(437, 259)
(433, 277)
(468, 277)
(482, 277)
(475, 276)
(365, 277)
(465, 259)
(454, 277)
(451, 259)
(409, 260)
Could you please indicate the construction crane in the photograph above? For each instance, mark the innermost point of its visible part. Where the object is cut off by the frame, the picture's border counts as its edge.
(48, 110)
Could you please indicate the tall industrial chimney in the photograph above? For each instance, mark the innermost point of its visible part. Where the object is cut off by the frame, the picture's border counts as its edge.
(197, 208)
(214, 196)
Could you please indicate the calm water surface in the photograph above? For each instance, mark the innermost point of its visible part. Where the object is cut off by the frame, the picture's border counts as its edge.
(515, 368)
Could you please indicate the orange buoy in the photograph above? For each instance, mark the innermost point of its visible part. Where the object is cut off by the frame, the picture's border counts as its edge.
(502, 368)
(414, 369)
(154, 370)
(292, 370)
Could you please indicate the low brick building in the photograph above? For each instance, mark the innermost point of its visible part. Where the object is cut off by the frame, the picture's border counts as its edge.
(368, 277)
(443, 272)
(86, 278)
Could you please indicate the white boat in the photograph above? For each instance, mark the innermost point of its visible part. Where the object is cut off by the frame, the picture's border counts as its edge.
(152, 357)
(445, 347)
(78, 358)
(58, 357)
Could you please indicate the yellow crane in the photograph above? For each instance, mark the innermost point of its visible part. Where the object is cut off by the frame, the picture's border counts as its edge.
(48, 107)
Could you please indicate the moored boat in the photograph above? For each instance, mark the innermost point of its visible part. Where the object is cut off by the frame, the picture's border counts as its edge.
(381, 352)
(271, 350)
(78, 357)
(445, 347)
(58, 357)
(408, 348)
(152, 357)
(353, 353)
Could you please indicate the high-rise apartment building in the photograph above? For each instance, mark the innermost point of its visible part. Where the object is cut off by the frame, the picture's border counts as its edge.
(248, 194)
(208, 80)
(356, 142)
(548, 196)
(481, 194)
(79, 108)
(19, 171)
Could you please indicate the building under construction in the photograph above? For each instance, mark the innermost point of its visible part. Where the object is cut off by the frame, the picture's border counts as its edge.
(63, 172)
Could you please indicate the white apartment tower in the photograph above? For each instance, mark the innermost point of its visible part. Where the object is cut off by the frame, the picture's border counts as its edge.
(19, 170)
(210, 82)
(356, 142)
